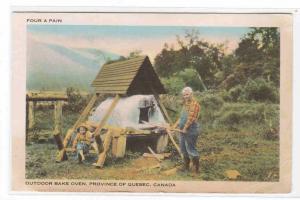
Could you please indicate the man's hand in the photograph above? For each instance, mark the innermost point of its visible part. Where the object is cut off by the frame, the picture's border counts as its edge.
(174, 126)
(184, 130)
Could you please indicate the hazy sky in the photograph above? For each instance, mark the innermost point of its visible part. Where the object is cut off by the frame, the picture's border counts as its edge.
(124, 39)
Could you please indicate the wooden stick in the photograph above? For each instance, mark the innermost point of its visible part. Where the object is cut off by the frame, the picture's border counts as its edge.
(31, 114)
(154, 154)
(162, 126)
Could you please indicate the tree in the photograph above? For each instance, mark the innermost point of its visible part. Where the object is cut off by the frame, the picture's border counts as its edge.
(193, 53)
(132, 54)
(258, 55)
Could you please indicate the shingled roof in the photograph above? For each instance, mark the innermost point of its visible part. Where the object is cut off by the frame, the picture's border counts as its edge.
(129, 77)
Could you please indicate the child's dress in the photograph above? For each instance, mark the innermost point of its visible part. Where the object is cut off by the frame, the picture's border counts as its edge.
(82, 142)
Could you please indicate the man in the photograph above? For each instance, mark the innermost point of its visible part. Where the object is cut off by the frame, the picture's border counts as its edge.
(190, 129)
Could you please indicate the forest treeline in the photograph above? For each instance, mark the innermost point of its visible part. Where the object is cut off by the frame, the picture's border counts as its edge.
(250, 72)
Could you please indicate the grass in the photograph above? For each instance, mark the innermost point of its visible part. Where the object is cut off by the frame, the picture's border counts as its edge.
(232, 138)
(256, 160)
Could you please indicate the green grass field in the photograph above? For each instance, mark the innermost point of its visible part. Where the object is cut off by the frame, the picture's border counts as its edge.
(234, 136)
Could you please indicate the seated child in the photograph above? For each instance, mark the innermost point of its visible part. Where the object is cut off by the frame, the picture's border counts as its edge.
(82, 142)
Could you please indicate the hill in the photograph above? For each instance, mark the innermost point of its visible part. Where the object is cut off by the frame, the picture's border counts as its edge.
(56, 67)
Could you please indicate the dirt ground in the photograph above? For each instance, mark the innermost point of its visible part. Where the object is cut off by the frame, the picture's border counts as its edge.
(132, 166)
(254, 158)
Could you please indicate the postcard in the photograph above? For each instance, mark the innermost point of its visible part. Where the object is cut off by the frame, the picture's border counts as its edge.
(151, 102)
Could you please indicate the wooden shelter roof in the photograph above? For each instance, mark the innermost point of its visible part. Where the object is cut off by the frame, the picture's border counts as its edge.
(46, 96)
(129, 77)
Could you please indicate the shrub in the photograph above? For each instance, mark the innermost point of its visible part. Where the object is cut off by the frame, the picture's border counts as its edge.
(173, 85)
(173, 105)
(231, 117)
(258, 117)
(76, 101)
(235, 93)
(191, 78)
(211, 101)
(270, 132)
(225, 95)
(261, 90)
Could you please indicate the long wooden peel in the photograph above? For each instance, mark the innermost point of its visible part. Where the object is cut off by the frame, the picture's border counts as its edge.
(174, 143)
(166, 126)
(168, 130)
(167, 117)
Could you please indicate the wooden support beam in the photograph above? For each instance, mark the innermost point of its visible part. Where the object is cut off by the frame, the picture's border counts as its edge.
(161, 106)
(31, 114)
(58, 129)
(81, 118)
(119, 146)
(107, 115)
(58, 117)
(46, 96)
(27, 120)
(102, 123)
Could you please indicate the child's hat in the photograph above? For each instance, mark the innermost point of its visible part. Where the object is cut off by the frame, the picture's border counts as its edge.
(83, 125)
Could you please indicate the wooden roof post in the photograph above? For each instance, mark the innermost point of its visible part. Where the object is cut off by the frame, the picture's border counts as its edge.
(103, 122)
(27, 121)
(58, 129)
(31, 114)
(57, 117)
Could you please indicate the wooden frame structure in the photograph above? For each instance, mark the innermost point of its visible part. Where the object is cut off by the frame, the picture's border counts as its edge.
(122, 78)
(58, 99)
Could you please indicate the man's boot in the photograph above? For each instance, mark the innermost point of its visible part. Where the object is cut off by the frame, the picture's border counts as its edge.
(196, 164)
(186, 164)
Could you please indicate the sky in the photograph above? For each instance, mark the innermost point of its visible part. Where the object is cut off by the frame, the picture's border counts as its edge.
(124, 39)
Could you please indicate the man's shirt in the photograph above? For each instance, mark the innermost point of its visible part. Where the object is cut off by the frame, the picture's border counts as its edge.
(193, 109)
